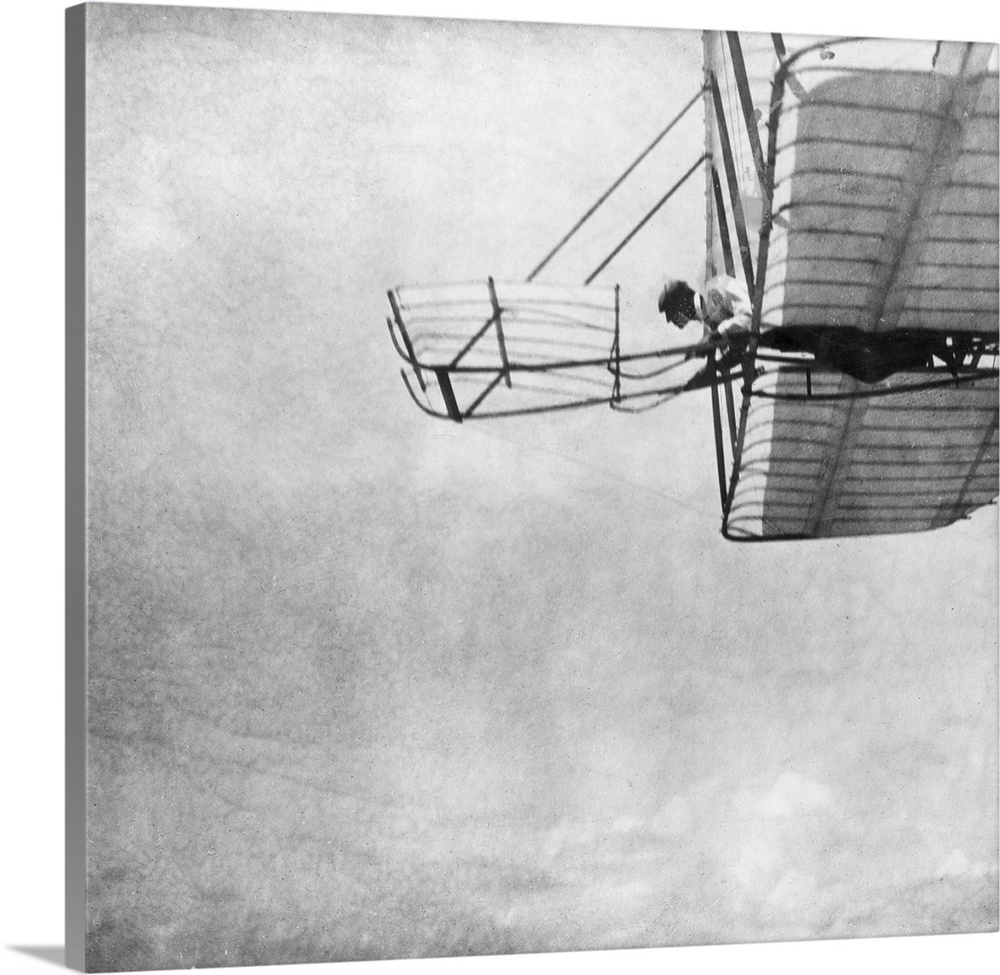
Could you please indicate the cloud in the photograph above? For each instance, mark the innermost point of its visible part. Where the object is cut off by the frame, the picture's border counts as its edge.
(674, 818)
(794, 793)
(954, 865)
(626, 824)
(570, 833)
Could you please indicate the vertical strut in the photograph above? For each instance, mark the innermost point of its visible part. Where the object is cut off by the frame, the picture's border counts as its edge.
(710, 206)
(730, 408)
(749, 357)
(500, 340)
(732, 180)
(720, 206)
(720, 459)
(616, 392)
(743, 87)
(451, 404)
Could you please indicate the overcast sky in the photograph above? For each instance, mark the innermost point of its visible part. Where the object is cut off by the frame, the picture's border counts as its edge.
(364, 684)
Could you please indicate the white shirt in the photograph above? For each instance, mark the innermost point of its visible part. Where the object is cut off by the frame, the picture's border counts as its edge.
(727, 306)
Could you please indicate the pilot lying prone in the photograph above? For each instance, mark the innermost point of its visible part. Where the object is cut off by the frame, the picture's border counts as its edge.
(725, 314)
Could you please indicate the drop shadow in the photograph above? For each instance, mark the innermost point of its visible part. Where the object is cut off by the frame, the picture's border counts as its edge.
(56, 954)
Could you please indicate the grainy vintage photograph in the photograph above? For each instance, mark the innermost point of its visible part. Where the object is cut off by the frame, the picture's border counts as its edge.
(541, 486)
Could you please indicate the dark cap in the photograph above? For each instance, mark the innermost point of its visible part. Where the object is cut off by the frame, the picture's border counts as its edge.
(678, 297)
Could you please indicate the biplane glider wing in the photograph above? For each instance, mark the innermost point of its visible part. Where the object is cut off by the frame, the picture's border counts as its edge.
(854, 186)
(817, 464)
(880, 190)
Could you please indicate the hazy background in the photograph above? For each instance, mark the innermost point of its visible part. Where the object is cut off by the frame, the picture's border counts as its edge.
(364, 684)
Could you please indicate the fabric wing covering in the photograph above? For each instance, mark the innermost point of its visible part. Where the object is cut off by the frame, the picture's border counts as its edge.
(886, 194)
(910, 461)
(886, 197)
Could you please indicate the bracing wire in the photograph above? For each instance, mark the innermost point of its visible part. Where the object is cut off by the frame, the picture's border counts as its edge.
(649, 216)
(621, 179)
(611, 474)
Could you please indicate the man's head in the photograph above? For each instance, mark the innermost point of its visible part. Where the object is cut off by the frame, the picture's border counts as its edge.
(677, 302)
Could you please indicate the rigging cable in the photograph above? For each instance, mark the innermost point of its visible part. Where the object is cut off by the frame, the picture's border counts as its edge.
(649, 216)
(490, 433)
(548, 257)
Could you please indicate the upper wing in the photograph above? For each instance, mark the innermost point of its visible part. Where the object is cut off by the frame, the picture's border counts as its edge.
(885, 204)
(885, 197)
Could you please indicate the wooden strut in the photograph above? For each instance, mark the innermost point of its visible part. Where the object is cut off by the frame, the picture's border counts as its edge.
(448, 394)
(616, 351)
(720, 459)
(716, 197)
(731, 178)
(720, 206)
(727, 386)
(792, 81)
(777, 97)
(746, 101)
(497, 315)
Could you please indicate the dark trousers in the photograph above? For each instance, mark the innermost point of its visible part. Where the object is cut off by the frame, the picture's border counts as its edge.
(868, 357)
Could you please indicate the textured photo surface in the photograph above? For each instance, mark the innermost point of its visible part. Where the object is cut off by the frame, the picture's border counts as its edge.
(366, 684)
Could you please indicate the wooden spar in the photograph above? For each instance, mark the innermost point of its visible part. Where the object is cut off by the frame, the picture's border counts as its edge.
(733, 181)
(448, 394)
(711, 177)
(720, 459)
(715, 204)
(556, 364)
(746, 101)
(720, 206)
(777, 96)
(616, 391)
(406, 340)
(497, 315)
(730, 409)
(791, 80)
